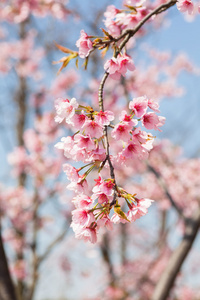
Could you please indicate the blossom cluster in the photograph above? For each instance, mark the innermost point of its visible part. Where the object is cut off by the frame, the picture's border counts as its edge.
(117, 20)
(93, 205)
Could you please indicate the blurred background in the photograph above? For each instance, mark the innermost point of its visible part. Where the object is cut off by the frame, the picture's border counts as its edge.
(45, 259)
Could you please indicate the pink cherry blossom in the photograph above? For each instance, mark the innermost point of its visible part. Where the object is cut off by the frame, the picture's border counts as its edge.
(103, 190)
(99, 154)
(125, 118)
(152, 121)
(104, 117)
(71, 172)
(93, 129)
(112, 67)
(106, 187)
(111, 12)
(139, 106)
(135, 212)
(125, 63)
(65, 109)
(66, 144)
(81, 186)
(87, 234)
(121, 131)
(78, 120)
(110, 21)
(105, 222)
(153, 105)
(133, 150)
(83, 217)
(82, 201)
(127, 20)
(185, 6)
(119, 66)
(84, 44)
(84, 142)
(102, 198)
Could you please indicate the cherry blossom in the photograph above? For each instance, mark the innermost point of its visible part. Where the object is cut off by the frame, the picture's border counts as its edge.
(152, 121)
(119, 66)
(135, 212)
(139, 106)
(84, 44)
(65, 109)
(185, 6)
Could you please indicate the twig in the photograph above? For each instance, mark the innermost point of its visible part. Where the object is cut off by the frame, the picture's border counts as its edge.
(51, 246)
(167, 193)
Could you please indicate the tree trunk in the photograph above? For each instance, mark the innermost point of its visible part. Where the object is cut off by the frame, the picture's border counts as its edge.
(7, 291)
(178, 257)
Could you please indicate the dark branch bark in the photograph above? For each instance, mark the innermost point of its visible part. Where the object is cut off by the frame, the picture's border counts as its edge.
(177, 259)
(7, 291)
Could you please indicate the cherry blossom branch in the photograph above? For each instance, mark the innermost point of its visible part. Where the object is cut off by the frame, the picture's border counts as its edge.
(101, 106)
(178, 257)
(126, 35)
(166, 191)
(131, 32)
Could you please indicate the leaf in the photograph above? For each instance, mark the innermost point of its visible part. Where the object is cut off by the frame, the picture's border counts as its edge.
(77, 63)
(63, 49)
(103, 53)
(105, 32)
(65, 60)
(132, 8)
(121, 214)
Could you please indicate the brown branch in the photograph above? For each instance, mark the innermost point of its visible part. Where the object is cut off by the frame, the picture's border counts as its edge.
(105, 132)
(7, 291)
(177, 259)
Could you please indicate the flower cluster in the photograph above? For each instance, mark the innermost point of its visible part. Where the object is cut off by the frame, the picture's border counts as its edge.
(93, 205)
(118, 66)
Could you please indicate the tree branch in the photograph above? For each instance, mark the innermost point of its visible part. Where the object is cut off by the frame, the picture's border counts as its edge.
(167, 193)
(126, 35)
(105, 251)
